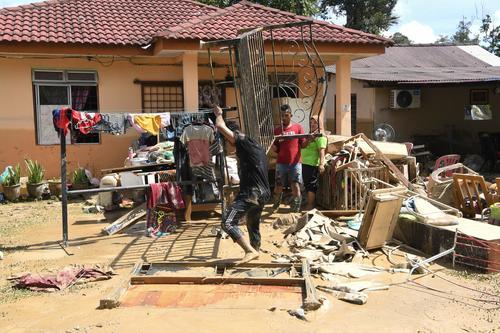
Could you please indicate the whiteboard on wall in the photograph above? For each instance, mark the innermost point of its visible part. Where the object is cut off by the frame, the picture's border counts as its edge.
(46, 134)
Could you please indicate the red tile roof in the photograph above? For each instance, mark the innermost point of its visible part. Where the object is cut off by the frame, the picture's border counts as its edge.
(137, 22)
(224, 24)
(119, 22)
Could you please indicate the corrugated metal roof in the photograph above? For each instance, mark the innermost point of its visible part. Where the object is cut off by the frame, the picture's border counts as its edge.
(426, 64)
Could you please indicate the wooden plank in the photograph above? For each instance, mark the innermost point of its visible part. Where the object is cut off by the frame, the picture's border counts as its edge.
(393, 150)
(221, 264)
(380, 217)
(114, 298)
(412, 168)
(311, 302)
(338, 213)
(126, 221)
(151, 279)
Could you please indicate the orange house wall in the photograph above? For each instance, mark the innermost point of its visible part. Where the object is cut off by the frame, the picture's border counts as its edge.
(117, 93)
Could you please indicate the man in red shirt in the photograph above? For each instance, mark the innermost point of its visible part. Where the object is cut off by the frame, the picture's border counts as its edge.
(288, 164)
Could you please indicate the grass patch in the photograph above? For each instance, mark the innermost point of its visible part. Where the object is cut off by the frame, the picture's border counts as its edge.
(490, 279)
(11, 295)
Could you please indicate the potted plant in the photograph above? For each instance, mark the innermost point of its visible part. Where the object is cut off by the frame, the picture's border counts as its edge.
(79, 179)
(55, 186)
(35, 178)
(12, 183)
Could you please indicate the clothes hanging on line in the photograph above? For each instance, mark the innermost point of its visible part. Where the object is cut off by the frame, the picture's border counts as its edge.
(61, 119)
(198, 139)
(112, 123)
(149, 122)
(84, 121)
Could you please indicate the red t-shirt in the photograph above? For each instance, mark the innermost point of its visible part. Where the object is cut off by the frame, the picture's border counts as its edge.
(289, 150)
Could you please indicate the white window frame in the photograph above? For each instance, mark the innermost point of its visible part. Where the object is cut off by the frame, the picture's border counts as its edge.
(65, 82)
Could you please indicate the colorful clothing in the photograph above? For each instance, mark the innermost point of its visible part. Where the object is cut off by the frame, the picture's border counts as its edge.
(310, 154)
(149, 123)
(198, 138)
(289, 150)
(84, 121)
(62, 119)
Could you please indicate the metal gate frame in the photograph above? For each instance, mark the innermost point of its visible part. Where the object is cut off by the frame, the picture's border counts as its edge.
(248, 68)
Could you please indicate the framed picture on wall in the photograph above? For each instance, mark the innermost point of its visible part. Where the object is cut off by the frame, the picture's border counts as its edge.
(479, 97)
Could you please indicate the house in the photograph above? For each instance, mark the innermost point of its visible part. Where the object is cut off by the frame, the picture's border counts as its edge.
(443, 96)
(129, 56)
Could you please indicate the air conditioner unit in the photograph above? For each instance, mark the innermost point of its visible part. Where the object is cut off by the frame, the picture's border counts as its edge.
(404, 99)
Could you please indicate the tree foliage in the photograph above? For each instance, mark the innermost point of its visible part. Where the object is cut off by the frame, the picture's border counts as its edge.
(443, 39)
(491, 35)
(300, 7)
(463, 35)
(401, 39)
(373, 16)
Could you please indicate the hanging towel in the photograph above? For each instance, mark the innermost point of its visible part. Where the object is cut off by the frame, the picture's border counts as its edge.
(149, 123)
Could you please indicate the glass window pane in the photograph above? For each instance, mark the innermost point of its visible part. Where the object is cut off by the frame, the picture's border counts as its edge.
(48, 76)
(84, 98)
(82, 76)
(53, 95)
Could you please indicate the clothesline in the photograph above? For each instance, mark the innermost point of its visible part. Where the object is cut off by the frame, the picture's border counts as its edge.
(118, 122)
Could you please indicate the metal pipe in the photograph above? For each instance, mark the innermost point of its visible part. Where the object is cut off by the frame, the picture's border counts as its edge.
(64, 189)
(134, 187)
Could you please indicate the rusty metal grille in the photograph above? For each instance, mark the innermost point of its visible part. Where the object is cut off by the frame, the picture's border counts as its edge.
(162, 97)
(254, 88)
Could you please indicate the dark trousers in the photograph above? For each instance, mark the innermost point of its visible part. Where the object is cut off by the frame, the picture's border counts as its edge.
(310, 175)
(239, 208)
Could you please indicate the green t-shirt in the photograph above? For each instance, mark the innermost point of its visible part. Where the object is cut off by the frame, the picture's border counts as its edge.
(310, 154)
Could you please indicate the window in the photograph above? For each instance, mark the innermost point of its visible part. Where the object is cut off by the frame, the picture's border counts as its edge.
(478, 112)
(287, 84)
(479, 96)
(53, 89)
(162, 96)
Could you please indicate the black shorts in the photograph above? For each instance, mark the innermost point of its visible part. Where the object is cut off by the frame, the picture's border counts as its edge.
(310, 175)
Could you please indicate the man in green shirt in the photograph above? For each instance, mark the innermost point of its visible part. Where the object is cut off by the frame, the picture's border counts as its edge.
(313, 162)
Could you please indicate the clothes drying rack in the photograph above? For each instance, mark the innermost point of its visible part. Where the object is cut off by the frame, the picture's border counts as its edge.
(220, 181)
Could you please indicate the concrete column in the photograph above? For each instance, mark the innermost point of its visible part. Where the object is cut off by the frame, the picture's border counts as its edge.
(190, 80)
(343, 93)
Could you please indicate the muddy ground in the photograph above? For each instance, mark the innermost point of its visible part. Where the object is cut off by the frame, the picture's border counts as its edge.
(449, 301)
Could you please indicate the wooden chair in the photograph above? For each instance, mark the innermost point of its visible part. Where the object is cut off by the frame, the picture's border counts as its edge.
(469, 190)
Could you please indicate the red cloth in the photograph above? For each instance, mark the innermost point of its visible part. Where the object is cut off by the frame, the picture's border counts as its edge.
(62, 119)
(61, 280)
(165, 193)
(85, 120)
(289, 150)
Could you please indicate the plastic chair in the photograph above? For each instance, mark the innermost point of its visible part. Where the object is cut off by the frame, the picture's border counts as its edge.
(447, 160)
(409, 147)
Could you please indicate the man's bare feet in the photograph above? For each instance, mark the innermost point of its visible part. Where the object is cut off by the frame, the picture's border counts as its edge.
(249, 257)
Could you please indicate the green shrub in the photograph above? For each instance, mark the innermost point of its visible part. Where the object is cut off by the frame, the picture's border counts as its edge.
(35, 172)
(13, 177)
(79, 176)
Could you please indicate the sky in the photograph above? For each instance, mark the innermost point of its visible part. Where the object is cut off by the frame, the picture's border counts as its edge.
(421, 20)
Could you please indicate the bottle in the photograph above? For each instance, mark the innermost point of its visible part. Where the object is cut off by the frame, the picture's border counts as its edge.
(130, 153)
